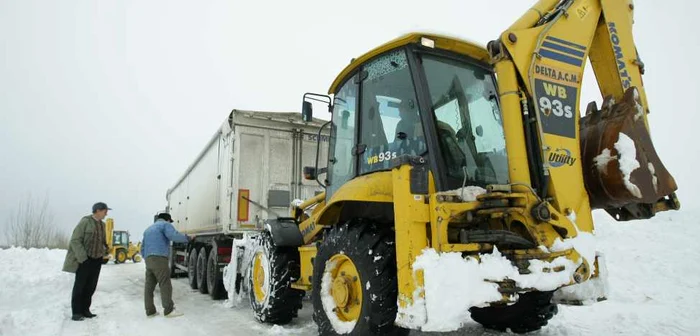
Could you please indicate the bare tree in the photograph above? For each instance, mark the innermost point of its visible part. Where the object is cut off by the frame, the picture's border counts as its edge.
(32, 225)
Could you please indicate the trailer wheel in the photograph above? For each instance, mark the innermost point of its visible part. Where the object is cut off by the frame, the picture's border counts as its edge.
(354, 281)
(202, 270)
(215, 283)
(272, 272)
(530, 313)
(192, 268)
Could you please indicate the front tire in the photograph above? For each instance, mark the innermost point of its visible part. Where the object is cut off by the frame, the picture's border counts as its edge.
(531, 312)
(202, 270)
(354, 281)
(272, 272)
(120, 258)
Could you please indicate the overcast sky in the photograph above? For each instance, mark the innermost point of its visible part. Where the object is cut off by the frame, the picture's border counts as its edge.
(111, 100)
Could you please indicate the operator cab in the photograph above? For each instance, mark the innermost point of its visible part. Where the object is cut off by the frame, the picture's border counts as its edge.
(420, 95)
(120, 238)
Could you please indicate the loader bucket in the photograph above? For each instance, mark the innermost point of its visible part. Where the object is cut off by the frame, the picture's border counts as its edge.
(622, 172)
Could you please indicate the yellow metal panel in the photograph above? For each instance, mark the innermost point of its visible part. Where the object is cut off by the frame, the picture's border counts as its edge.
(411, 216)
(375, 187)
(306, 254)
(533, 14)
(614, 54)
(508, 91)
(554, 77)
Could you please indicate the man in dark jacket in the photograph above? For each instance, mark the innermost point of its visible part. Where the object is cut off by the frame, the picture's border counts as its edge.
(88, 245)
(156, 249)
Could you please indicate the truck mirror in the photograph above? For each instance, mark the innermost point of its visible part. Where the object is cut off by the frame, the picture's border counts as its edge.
(310, 173)
(307, 112)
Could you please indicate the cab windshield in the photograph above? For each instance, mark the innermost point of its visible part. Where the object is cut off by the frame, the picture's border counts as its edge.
(469, 124)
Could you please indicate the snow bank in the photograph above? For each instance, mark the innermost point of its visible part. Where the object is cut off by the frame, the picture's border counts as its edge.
(33, 295)
(453, 284)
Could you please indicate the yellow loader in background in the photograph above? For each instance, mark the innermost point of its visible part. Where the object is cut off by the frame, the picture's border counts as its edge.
(119, 246)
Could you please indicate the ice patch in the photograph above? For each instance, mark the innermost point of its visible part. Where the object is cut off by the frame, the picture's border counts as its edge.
(341, 327)
(468, 194)
(628, 162)
(367, 285)
(377, 258)
(241, 258)
(654, 179)
(454, 284)
(627, 159)
(602, 160)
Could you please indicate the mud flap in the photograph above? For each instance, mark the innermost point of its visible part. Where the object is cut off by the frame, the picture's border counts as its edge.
(593, 290)
(622, 172)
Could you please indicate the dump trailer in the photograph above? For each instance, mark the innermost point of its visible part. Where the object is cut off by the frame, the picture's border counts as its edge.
(250, 170)
(461, 179)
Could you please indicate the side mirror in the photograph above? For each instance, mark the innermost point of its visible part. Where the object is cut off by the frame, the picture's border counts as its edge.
(311, 173)
(307, 111)
(479, 130)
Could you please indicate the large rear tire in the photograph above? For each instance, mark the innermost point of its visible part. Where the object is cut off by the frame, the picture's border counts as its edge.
(531, 312)
(272, 272)
(215, 283)
(202, 270)
(354, 279)
(192, 268)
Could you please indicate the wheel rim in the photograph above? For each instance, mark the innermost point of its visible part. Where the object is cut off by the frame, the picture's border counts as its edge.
(345, 288)
(121, 257)
(260, 277)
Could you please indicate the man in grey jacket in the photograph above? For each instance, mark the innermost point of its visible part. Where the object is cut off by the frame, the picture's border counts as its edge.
(156, 249)
(88, 245)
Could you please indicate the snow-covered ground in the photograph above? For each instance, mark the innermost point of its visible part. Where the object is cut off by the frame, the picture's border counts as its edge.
(654, 279)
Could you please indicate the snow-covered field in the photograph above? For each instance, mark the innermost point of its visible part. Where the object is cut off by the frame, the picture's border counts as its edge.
(654, 279)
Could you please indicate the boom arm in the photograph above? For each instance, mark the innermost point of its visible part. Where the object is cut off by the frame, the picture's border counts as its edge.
(605, 159)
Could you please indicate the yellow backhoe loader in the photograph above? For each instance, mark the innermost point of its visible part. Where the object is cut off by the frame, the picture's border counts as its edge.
(461, 179)
(119, 246)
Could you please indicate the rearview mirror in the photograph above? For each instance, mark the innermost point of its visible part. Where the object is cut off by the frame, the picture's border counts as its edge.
(311, 173)
(479, 130)
(307, 112)
(307, 109)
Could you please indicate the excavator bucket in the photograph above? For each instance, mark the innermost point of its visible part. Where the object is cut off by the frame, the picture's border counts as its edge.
(622, 171)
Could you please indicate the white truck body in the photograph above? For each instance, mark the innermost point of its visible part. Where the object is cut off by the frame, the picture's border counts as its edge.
(258, 155)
